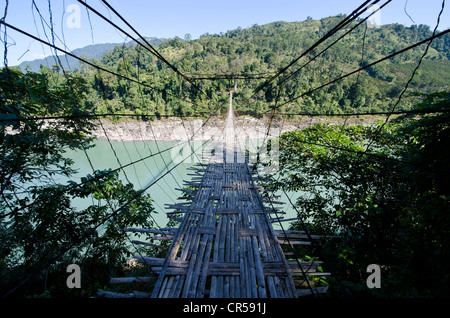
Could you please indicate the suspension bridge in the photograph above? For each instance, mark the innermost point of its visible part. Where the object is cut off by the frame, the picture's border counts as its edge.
(225, 246)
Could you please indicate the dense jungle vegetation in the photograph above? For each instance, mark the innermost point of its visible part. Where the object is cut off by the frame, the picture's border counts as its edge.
(385, 189)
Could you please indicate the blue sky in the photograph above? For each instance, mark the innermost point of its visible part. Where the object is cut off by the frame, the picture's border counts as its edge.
(170, 18)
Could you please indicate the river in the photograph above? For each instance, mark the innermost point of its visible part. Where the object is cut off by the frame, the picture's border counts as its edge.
(147, 169)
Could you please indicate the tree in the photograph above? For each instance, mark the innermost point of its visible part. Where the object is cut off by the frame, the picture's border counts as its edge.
(41, 231)
(390, 204)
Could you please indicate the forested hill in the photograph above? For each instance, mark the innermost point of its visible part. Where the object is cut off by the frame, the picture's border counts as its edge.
(261, 51)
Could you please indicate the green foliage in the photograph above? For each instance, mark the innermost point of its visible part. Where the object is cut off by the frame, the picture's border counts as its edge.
(390, 204)
(41, 230)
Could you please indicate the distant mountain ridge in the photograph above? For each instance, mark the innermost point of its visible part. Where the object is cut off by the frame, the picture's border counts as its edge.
(88, 52)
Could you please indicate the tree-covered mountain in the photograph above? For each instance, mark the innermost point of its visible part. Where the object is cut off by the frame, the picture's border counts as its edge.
(245, 58)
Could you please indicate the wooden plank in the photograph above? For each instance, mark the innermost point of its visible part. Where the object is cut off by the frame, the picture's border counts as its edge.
(189, 275)
(247, 232)
(180, 205)
(163, 288)
(267, 211)
(176, 286)
(228, 237)
(162, 238)
(294, 263)
(305, 236)
(289, 287)
(259, 269)
(172, 253)
(198, 266)
(205, 268)
(152, 261)
(153, 231)
(274, 202)
(282, 220)
(176, 212)
(214, 282)
(207, 230)
(266, 255)
(232, 256)
(228, 248)
(221, 256)
(229, 186)
(168, 286)
(188, 235)
(228, 211)
(186, 190)
(197, 211)
(243, 271)
(252, 266)
(177, 219)
(109, 294)
(132, 280)
(293, 242)
(308, 273)
(149, 244)
(316, 290)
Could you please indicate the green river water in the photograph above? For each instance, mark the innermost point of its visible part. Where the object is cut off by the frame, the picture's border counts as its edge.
(141, 174)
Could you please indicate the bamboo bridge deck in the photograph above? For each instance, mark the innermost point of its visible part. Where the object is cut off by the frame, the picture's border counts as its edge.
(225, 245)
(225, 242)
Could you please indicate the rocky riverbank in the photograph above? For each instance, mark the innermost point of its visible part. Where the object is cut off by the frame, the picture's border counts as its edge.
(177, 129)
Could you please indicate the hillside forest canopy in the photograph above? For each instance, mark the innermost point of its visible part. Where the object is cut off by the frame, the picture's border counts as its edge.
(248, 57)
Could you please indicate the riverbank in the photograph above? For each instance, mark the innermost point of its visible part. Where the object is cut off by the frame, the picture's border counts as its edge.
(176, 129)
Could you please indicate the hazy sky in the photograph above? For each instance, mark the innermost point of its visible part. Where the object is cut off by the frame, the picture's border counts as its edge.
(170, 18)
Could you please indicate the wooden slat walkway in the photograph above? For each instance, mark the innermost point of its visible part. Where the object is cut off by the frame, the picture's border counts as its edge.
(225, 245)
